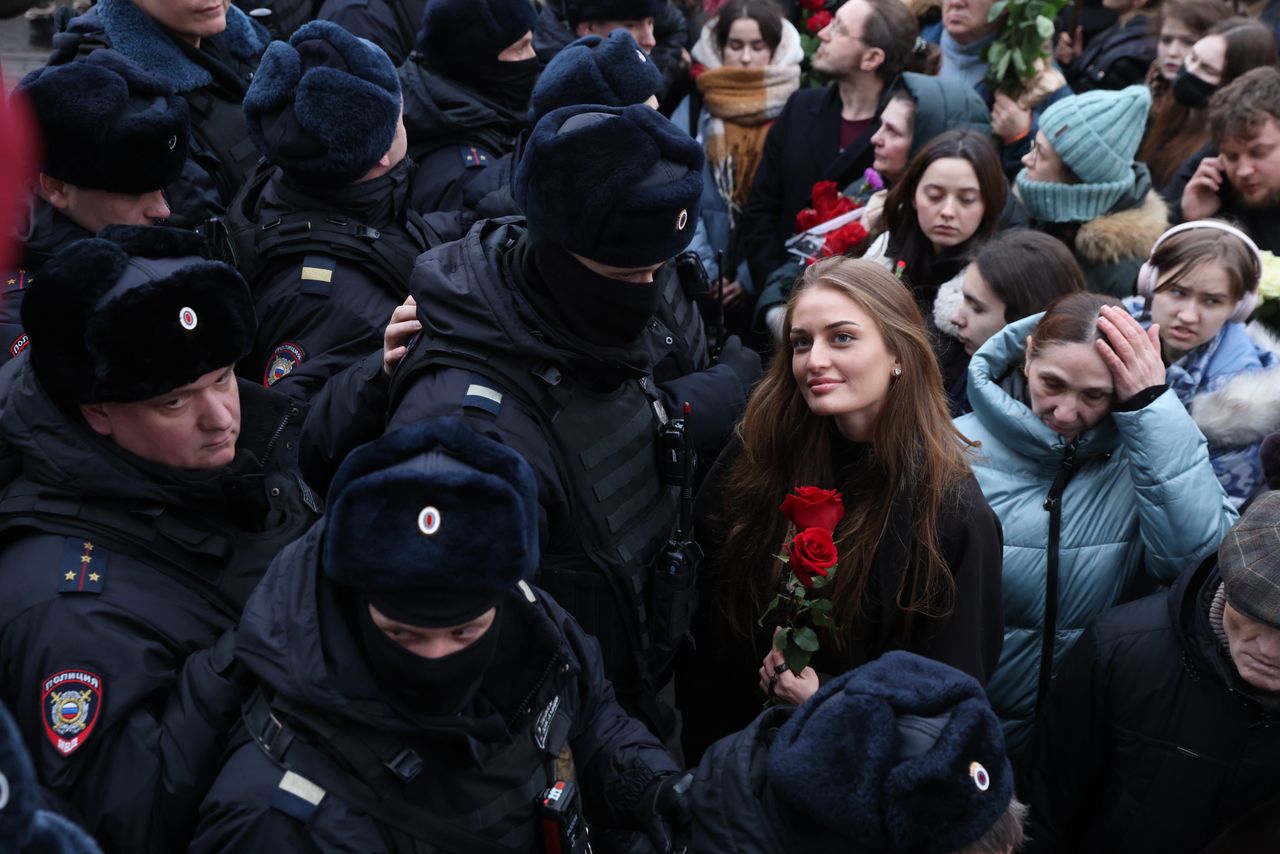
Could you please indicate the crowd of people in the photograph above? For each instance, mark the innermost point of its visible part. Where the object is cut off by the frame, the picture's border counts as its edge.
(642, 425)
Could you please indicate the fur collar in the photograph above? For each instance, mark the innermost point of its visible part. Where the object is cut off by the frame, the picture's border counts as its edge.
(1125, 234)
(139, 37)
(1247, 407)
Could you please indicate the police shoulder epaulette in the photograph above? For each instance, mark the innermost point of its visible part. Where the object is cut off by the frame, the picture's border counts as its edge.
(483, 394)
(83, 567)
(317, 274)
(297, 796)
(473, 157)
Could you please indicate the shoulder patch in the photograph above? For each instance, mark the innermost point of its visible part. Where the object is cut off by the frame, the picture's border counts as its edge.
(481, 394)
(473, 157)
(283, 359)
(18, 345)
(16, 281)
(70, 705)
(83, 567)
(317, 275)
(297, 796)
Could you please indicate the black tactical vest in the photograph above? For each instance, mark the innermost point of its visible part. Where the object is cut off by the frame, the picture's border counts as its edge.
(676, 338)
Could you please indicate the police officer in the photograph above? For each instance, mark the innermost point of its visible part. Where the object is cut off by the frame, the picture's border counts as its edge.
(154, 492)
(390, 24)
(466, 93)
(425, 697)
(537, 335)
(208, 55)
(114, 135)
(325, 234)
(282, 18)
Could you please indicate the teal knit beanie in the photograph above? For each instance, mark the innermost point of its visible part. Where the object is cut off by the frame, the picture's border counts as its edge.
(1098, 133)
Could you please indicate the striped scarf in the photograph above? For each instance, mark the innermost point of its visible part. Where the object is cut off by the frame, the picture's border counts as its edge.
(742, 103)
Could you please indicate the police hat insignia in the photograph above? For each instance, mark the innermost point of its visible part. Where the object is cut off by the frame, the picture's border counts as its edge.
(429, 521)
(71, 702)
(187, 317)
(979, 776)
(682, 220)
(283, 359)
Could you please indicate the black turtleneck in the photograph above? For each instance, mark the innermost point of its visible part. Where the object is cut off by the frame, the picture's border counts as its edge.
(377, 202)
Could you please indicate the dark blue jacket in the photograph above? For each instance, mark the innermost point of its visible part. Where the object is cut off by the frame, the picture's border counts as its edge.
(296, 640)
(133, 619)
(393, 25)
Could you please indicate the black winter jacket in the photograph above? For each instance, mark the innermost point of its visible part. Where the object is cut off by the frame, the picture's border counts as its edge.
(137, 627)
(390, 24)
(212, 79)
(456, 136)
(1115, 58)
(297, 641)
(1150, 740)
(717, 689)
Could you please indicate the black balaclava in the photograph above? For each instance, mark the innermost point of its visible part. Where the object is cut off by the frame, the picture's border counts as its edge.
(1190, 90)
(596, 308)
(426, 687)
(507, 84)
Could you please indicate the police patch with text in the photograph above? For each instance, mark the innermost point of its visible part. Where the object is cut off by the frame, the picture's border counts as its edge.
(283, 359)
(71, 704)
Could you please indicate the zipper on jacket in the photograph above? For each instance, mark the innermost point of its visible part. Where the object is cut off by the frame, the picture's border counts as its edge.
(1053, 503)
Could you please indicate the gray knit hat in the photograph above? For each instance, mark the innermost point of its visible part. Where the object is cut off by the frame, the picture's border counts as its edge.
(1249, 560)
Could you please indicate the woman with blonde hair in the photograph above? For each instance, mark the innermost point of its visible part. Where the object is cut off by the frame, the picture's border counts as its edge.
(852, 402)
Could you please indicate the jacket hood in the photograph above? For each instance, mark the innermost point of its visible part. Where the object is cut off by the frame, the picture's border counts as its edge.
(1011, 420)
(1128, 233)
(471, 287)
(732, 806)
(707, 53)
(943, 104)
(62, 452)
(1246, 408)
(437, 108)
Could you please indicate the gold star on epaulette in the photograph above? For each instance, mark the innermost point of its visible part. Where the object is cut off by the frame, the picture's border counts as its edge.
(93, 576)
(70, 575)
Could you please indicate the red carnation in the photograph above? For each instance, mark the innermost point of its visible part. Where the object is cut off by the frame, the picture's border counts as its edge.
(818, 20)
(843, 239)
(812, 553)
(810, 507)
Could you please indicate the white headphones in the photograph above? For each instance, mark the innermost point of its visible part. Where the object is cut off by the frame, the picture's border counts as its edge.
(1150, 274)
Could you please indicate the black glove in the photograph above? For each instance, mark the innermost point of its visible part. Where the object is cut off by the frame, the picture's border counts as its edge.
(664, 813)
(743, 362)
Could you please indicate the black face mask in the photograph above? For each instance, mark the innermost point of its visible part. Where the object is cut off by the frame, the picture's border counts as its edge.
(1191, 91)
(596, 308)
(507, 84)
(430, 687)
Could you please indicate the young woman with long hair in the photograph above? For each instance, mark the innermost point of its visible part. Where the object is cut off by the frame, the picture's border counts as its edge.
(1097, 473)
(853, 401)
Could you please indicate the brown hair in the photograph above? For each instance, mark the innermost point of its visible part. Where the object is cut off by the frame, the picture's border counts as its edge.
(912, 245)
(1196, 247)
(891, 27)
(1006, 836)
(1236, 110)
(1070, 319)
(1027, 270)
(916, 453)
(1250, 44)
(764, 12)
(1176, 130)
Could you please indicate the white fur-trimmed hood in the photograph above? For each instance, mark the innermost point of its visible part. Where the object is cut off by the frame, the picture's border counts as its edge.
(1247, 407)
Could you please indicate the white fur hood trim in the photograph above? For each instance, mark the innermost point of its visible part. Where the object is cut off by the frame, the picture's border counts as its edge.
(1247, 407)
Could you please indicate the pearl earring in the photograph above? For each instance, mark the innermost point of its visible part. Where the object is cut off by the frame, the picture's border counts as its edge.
(897, 372)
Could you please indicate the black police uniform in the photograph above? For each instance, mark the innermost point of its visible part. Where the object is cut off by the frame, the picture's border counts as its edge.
(47, 232)
(284, 16)
(390, 24)
(212, 79)
(120, 580)
(585, 416)
(362, 777)
(455, 135)
(327, 267)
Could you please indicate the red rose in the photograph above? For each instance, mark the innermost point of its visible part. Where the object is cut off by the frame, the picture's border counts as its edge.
(810, 507)
(824, 194)
(818, 20)
(806, 219)
(843, 239)
(812, 553)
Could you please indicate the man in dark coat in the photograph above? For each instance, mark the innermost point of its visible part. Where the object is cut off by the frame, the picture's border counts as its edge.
(425, 697)
(658, 26)
(154, 491)
(113, 135)
(901, 754)
(325, 234)
(1239, 177)
(825, 134)
(390, 24)
(1161, 731)
(208, 55)
(466, 94)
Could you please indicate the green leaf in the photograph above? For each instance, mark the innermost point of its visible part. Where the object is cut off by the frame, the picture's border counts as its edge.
(822, 606)
(996, 52)
(1002, 67)
(796, 658)
(823, 620)
(1044, 27)
(781, 639)
(1019, 64)
(807, 639)
(997, 9)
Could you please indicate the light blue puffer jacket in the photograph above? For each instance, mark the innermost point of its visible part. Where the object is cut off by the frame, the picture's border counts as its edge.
(1143, 496)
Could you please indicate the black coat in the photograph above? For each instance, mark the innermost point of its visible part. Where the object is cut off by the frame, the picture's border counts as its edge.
(148, 616)
(390, 24)
(1115, 58)
(310, 329)
(718, 686)
(800, 149)
(319, 668)
(1150, 740)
